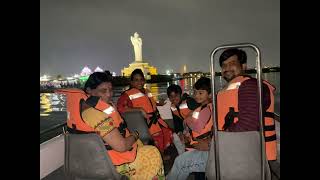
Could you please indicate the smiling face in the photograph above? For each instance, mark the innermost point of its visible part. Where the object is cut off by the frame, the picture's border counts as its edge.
(232, 68)
(201, 96)
(137, 81)
(104, 91)
(175, 98)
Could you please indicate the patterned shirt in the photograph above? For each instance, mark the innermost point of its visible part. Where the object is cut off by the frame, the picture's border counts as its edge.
(98, 120)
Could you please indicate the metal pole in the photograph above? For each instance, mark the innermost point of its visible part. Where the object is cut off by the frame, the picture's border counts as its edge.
(258, 65)
(258, 62)
(214, 111)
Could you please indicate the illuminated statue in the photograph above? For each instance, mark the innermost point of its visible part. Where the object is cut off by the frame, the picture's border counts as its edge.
(137, 45)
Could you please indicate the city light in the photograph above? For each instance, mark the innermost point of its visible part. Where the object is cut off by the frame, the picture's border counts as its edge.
(98, 69)
(86, 71)
(44, 78)
(169, 71)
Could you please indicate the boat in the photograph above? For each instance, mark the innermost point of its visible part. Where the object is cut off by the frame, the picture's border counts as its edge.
(55, 153)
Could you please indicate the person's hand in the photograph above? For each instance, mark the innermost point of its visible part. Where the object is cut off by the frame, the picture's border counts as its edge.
(161, 102)
(181, 137)
(186, 138)
(202, 145)
(186, 133)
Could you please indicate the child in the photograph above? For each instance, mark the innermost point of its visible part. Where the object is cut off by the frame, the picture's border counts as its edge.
(181, 106)
(200, 125)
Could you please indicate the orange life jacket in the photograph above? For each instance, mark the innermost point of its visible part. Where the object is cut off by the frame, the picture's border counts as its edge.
(182, 110)
(77, 125)
(117, 158)
(207, 130)
(146, 101)
(227, 101)
(74, 120)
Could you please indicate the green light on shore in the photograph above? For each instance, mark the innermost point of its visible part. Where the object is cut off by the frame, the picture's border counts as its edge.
(84, 78)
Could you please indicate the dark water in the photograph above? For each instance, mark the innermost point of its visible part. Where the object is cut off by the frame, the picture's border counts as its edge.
(53, 106)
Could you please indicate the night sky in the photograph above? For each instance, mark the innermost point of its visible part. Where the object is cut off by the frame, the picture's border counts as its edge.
(75, 33)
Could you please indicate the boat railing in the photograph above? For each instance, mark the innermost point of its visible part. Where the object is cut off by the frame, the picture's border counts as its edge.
(53, 131)
(52, 150)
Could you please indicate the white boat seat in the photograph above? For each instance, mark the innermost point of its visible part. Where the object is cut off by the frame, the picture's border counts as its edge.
(136, 121)
(86, 158)
(239, 156)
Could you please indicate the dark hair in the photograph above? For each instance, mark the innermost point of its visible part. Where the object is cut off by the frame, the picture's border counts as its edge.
(136, 71)
(108, 72)
(174, 88)
(242, 56)
(96, 78)
(203, 83)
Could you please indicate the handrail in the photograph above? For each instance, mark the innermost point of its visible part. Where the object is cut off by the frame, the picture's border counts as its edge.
(54, 128)
(215, 131)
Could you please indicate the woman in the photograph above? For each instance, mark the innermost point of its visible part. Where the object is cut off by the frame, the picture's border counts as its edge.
(127, 153)
(139, 98)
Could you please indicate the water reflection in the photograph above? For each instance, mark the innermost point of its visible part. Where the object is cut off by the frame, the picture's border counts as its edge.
(51, 102)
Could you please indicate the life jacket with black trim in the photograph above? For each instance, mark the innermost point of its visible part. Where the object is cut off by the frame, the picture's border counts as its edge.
(227, 108)
(146, 101)
(76, 125)
(74, 98)
(116, 157)
(182, 111)
(207, 130)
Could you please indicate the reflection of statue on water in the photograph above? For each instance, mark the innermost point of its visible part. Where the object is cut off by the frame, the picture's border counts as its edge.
(137, 45)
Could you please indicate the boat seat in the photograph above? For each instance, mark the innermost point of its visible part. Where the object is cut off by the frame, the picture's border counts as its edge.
(239, 156)
(86, 158)
(136, 121)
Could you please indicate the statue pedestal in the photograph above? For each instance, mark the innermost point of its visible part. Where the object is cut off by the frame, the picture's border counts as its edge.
(144, 66)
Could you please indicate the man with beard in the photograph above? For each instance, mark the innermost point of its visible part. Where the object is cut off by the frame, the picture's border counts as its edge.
(238, 111)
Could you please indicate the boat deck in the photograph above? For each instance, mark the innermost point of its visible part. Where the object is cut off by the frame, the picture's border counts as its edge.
(275, 167)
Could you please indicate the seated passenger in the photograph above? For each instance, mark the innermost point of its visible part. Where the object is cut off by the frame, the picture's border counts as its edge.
(200, 125)
(182, 106)
(237, 111)
(137, 98)
(127, 153)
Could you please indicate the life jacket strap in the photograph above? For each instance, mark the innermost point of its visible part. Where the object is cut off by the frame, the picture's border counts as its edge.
(229, 118)
(268, 114)
(202, 136)
(270, 138)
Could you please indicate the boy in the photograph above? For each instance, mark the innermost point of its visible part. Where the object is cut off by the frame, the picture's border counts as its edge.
(200, 125)
(181, 106)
